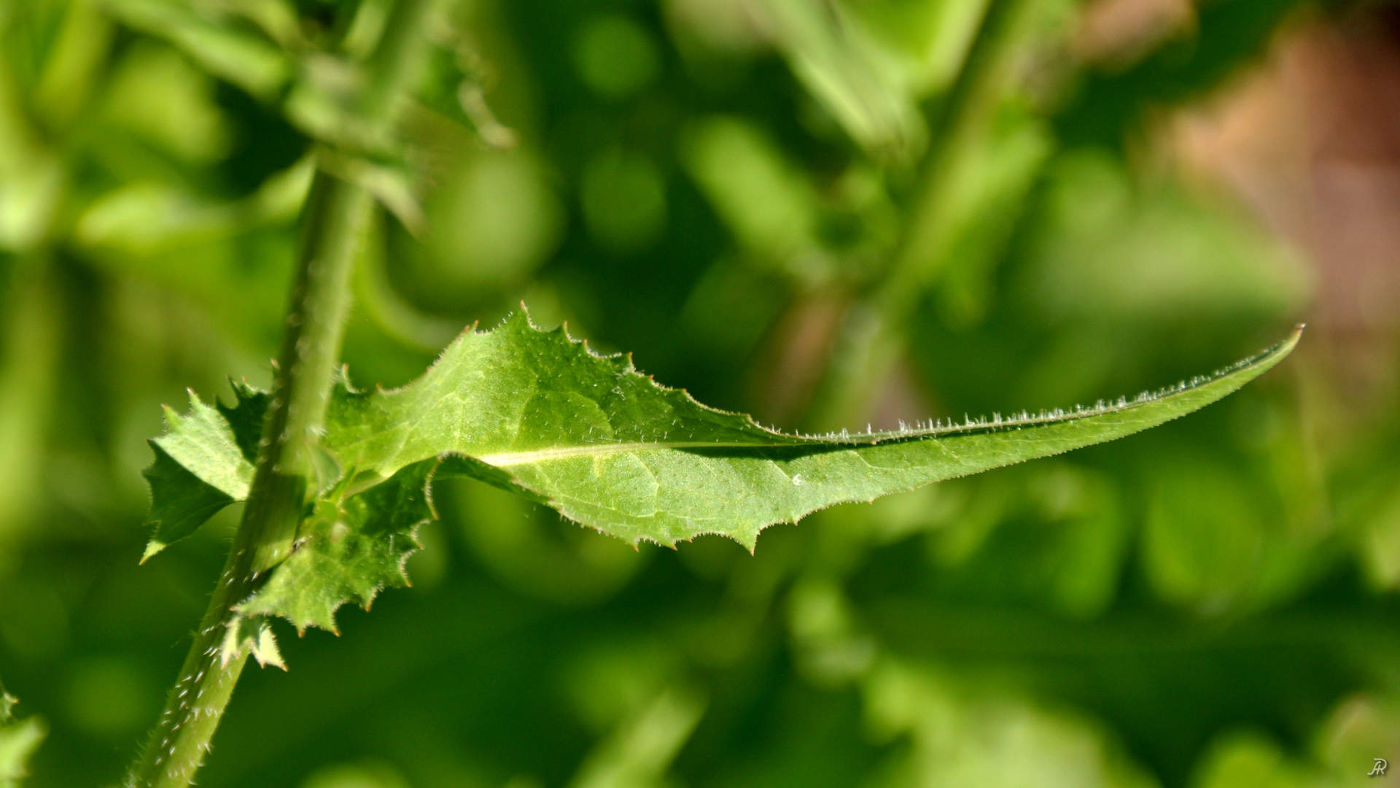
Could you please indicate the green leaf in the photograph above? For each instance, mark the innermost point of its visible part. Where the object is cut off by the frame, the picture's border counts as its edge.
(347, 551)
(203, 463)
(538, 413)
(18, 740)
(245, 418)
(834, 56)
(251, 634)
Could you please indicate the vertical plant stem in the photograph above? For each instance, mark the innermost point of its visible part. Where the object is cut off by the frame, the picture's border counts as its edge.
(333, 222)
(334, 214)
(335, 217)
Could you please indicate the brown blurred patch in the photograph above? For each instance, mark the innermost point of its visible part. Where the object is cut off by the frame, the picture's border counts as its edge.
(1119, 31)
(1310, 141)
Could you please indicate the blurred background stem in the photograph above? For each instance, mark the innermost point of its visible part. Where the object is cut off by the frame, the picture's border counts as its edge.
(869, 343)
(29, 362)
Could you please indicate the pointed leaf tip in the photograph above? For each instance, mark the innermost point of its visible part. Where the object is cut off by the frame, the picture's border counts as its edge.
(153, 547)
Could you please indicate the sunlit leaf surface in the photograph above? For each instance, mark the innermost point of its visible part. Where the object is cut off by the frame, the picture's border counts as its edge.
(539, 413)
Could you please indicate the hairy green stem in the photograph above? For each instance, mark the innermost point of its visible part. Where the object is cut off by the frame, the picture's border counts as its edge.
(334, 215)
(868, 346)
(287, 469)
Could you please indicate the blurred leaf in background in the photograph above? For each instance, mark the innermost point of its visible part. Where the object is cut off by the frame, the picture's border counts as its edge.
(18, 739)
(826, 213)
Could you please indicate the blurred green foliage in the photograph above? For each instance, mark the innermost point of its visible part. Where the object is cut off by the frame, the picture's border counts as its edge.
(18, 740)
(820, 212)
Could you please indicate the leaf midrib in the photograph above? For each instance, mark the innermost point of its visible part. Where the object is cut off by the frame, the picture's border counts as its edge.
(1123, 405)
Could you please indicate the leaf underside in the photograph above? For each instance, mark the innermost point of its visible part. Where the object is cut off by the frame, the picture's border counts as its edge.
(539, 413)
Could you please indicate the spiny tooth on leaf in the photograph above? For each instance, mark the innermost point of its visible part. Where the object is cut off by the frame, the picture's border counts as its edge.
(251, 636)
(265, 650)
(153, 546)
